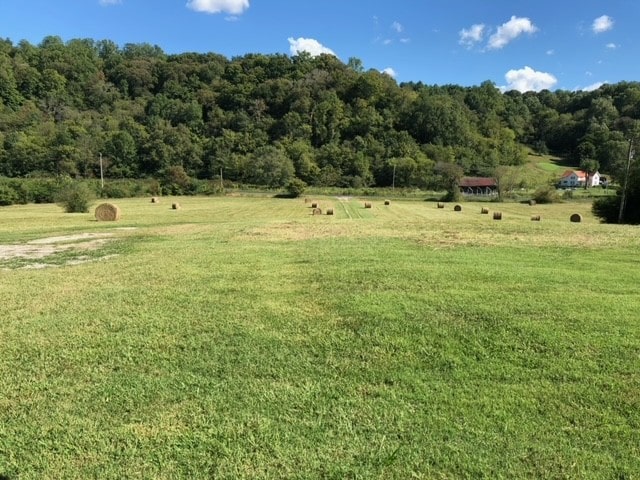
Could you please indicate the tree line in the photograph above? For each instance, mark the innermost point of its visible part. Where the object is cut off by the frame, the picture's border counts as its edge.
(267, 119)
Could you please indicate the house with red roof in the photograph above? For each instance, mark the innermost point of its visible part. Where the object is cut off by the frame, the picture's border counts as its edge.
(578, 178)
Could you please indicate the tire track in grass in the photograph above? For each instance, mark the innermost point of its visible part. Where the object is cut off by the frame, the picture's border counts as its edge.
(344, 203)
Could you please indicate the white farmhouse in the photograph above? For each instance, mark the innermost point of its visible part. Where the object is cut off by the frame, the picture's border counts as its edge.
(578, 178)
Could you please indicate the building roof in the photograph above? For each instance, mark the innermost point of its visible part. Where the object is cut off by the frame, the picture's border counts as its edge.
(478, 182)
(579, 173)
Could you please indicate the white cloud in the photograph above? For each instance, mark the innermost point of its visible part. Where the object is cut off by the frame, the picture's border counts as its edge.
(387, 41)
(405, 40)
(397, 27)
(551, 52)
(234, 7)
(510, 31)
(106, 3)
(602, 24)
(527, 79)
(592, 87)
(471, 36)
(309, 45)
(390, 71)
(611, 46)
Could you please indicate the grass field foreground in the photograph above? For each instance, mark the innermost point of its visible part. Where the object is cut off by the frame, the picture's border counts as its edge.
(247, 338)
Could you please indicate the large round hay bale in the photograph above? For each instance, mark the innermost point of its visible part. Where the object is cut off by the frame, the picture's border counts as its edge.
(367, 205)
(329, 211)
(532, 202)
(317, 211)
(155, 200)
(387, 202)
(576, 218)
(497, 215)
(107, 212)
(536, 218)
(314, 205)
(457, 208)
(484, 211)
(440, 205)
(175, 206)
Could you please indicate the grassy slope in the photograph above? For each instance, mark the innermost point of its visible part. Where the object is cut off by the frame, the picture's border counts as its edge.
(245, 338)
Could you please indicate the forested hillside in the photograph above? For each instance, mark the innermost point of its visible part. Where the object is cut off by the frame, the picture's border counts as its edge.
(266, 119)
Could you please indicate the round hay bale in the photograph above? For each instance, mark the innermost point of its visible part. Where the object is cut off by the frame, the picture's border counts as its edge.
(107, 212)
(387, 202)
(329, 211)
(457, 208)
(484, 211)
(175, 206)
(314, 205)
(497, 215)
(535, 218)
(306, 200)
(440, 205)
(576, 218)
(532, 202)
(155, 200)
(317, 211)
(367, 205)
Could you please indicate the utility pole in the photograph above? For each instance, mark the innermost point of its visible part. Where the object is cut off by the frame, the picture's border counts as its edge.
(221, 182)
(623, 198)
(101, 173)
(393, 180)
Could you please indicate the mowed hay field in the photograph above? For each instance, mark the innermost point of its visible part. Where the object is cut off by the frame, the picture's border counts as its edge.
(247, 338)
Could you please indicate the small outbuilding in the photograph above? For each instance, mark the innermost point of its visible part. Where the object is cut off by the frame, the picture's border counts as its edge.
(484, 186)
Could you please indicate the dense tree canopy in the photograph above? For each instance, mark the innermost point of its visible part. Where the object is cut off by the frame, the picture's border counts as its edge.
(269, 119)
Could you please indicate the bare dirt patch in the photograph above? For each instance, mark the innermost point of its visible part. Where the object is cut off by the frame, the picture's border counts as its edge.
(46, 247)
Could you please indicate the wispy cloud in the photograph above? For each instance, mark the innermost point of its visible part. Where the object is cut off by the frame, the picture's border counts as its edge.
(397, 26)
(590, 88)
(510, 31)
(527, 79)
(472, 35)
(550, 52)
(390, 71)
(309, 45)
(106, 3)
(611, 46)
(233, 7)
(602, 24)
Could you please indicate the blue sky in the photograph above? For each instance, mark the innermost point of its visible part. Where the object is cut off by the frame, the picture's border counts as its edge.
(517, 44)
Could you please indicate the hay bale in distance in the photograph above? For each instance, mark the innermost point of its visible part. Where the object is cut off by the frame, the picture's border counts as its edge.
(316, 211)
(440, 205)
(576, 218)
(387, 202)
(175, 206)
(329, 211)
(155, 200)
(532, 202)
(107, 212)
(497, 215)
(314, 205)
(457, 208)
(484, 211)
(535, 218)
(367, 204)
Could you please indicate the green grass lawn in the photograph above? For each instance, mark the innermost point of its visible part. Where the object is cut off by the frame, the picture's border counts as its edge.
(246, 338)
